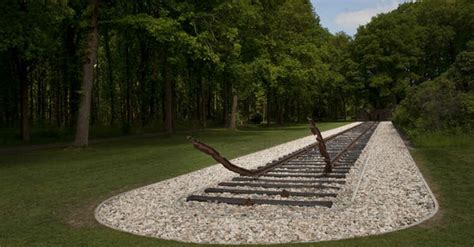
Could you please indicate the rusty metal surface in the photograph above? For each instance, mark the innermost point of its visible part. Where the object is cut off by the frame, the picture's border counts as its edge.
(218, 157)
(321, 145)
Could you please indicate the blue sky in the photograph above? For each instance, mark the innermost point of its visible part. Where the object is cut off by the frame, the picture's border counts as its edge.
(347, 15)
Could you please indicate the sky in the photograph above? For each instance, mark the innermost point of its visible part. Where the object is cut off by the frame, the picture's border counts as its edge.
(347, 15)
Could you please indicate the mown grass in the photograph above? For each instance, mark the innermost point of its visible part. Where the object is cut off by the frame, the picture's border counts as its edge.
(11, 136)
(47, 198)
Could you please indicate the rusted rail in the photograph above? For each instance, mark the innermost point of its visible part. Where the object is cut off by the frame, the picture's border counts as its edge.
(218, 157)
(321, 145)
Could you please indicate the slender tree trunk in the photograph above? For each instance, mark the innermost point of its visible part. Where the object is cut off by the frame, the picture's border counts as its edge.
(344, 107)
(31, 104)
(319, 108)
(129, 87)
(203, 105)
(225, 99)
(40, 99)
(25, 114)
(82, 132)
(268, 108)
(73, 85)
(210, 113)
(199, 97)
(21, 70)
(298, 111)
(279, 112)
(233, 115)
(110, 79)
(144, 97)
(168, 100)
(153, 99)
(57, 101)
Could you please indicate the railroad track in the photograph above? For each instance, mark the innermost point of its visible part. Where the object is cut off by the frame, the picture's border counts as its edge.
(311, 176)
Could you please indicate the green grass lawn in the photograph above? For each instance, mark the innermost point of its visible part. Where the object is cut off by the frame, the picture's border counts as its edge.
(47, 198)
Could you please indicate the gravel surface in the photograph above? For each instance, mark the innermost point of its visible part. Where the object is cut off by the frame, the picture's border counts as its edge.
(383, 192)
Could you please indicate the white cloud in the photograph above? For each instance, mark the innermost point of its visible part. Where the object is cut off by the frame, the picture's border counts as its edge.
(353, 19)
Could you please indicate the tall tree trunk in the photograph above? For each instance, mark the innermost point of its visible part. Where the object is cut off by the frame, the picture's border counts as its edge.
(70, 76)
(40, 99)
(129, 86)
(209, 100)
(110, 79)
(344, 107)
(22, 70)
(233, 115)
(144, 97)
(203, 104)
(168, 100)
(298, 111)
(268, 108)
(58, 103)
(279, 112)
(25, 114)
(82, 132)
(224, 99)
(153, 99)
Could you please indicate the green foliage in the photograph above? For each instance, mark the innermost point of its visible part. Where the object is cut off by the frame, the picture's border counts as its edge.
(257, 118)
(29, 26)
(462, 71)
(414, 43)
(445, 103)
(433, 105)
(273, 54)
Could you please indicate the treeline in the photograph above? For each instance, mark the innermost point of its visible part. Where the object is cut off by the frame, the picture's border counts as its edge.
(163, 63)
(419, 59)
(198, 64)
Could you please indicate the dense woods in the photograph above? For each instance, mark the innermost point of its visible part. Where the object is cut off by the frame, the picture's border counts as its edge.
(163, 65)
(419, 60)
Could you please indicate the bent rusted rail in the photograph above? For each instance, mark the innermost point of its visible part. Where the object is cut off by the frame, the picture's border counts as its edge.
(237, 169)
(218, 157)
(321, 145)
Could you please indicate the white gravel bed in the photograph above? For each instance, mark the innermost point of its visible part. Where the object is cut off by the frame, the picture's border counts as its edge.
(383, 192)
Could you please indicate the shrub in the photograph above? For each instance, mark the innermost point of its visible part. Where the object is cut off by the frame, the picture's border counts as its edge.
(256, 118)
(433, 105)
(126, 128)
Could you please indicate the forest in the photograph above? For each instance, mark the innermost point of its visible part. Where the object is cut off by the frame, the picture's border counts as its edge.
(69, 66)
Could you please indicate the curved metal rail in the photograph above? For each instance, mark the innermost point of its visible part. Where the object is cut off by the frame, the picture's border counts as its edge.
(321, 145)
(218, 157)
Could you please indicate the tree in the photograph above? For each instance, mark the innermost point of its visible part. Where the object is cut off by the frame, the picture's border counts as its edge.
(195, 64)
(416, 42)
(82, 131)
(28, 29)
